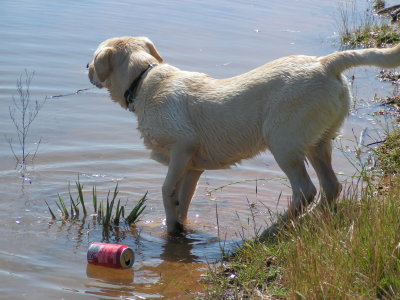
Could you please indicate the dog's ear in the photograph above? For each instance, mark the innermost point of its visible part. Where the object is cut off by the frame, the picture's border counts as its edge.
(153, 51)
(102, 63)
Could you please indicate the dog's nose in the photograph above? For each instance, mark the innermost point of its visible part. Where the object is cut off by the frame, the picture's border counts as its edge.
(87, 66)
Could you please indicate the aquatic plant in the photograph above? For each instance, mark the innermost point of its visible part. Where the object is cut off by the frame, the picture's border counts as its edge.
(104, 214)
(136, 211)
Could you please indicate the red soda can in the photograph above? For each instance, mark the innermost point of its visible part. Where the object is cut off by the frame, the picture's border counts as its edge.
(110, 255)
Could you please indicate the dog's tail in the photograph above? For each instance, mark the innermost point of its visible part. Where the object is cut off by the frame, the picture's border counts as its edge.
(337, 62)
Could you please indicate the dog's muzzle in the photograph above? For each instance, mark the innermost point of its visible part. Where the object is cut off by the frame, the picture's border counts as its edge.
(92, 78)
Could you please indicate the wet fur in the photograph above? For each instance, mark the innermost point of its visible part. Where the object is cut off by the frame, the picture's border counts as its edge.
(293, 106)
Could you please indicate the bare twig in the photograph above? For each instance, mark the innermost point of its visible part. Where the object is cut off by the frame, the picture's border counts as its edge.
(375, 143)
(23, 112)
(69, 94)
(276, 178)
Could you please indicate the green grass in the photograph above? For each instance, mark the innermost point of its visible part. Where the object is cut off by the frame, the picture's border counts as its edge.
(351, 253)
(378, 4)
(388, 154)
(104, 214)
(365, 31)
(371, 35)
(250, 271)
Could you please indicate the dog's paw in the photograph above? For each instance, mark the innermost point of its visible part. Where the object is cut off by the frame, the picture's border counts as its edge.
(176, 229)
(271, 233)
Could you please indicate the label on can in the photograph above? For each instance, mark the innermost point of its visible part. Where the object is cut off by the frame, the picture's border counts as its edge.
(110, 255)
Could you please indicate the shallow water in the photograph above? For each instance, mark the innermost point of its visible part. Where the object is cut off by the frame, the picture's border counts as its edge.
(87, 134)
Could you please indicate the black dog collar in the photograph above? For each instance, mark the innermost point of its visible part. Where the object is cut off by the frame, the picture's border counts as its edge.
(130, 93)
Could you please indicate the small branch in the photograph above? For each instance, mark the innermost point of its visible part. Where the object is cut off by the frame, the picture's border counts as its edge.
(37, 147)
(374, 143)
(69, 94)
(277, 178)
(9, 140)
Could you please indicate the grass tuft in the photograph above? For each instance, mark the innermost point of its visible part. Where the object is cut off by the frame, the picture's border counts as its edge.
(104, 214)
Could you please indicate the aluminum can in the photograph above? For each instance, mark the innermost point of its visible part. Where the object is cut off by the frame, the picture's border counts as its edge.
(110, 255)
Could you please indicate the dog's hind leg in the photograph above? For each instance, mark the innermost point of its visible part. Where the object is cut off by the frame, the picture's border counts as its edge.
(177, 168)
(320, 157)
(186, 191)
(304, 191)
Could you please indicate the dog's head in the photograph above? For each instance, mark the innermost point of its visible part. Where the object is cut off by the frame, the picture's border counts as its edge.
(117, 62)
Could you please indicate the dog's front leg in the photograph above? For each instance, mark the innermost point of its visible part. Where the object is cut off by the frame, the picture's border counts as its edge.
(186, 192)
(178, 165)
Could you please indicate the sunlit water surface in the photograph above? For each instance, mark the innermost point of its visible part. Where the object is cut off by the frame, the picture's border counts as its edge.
(88, 135)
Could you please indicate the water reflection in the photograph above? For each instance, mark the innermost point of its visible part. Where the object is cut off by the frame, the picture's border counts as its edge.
(84, 230)
(164, 266)
(109, 275)
(179, 249)
(174, 267)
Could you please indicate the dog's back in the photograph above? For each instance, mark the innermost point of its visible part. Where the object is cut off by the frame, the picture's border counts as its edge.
(291, 101)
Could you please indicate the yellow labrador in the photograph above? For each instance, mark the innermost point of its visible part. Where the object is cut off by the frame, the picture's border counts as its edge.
(293, 106)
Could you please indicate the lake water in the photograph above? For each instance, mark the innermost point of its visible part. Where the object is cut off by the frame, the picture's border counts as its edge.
(88, 135)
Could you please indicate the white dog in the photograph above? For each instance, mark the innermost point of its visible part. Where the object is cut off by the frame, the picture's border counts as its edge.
(293, 106)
